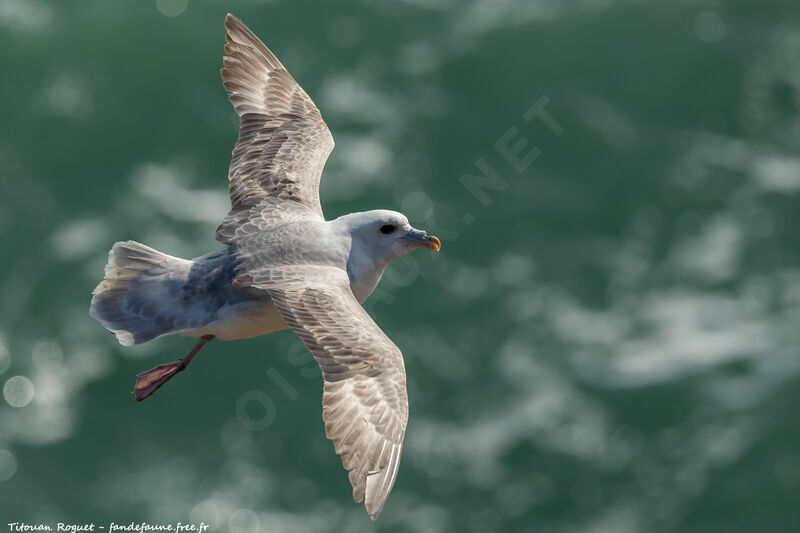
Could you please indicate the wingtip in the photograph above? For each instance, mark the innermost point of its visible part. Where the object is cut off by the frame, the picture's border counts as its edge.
(373, 508)
(380, 484)
(374, 512)
(232, 21)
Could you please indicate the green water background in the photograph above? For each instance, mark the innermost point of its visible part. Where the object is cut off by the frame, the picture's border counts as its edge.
(608, 342)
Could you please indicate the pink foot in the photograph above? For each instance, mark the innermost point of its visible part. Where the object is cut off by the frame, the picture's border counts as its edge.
(149, 382)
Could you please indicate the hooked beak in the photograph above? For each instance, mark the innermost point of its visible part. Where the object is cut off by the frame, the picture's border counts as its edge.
(420, 238)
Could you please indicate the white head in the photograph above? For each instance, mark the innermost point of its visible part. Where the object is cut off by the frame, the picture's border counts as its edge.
(377, 237)
(384, 235)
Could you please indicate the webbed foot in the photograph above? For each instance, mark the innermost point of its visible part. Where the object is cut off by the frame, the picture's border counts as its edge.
(149, 382)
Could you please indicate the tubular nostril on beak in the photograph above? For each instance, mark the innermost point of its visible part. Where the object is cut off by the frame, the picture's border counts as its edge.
(421, 238)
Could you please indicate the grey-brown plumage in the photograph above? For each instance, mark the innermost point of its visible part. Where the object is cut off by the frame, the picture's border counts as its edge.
(364, 403)
(284, 266)
(274, 183)
(283, 142)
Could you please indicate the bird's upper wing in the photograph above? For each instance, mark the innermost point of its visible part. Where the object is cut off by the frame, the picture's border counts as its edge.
(283, 142)
(364, 403)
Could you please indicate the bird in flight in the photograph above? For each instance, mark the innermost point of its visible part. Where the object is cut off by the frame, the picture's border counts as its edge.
(283, 266)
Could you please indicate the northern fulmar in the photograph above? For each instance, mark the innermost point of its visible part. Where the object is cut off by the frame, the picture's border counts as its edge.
(283, 266)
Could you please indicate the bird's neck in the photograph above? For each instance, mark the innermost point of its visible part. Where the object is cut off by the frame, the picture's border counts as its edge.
(364, 273)
(363, 267)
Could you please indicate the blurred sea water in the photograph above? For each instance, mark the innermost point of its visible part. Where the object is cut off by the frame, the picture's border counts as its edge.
(608, 341)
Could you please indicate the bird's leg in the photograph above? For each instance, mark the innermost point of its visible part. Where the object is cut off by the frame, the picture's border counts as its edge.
(148, 382)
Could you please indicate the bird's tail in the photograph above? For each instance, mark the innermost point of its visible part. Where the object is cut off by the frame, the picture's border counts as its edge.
(133, 300)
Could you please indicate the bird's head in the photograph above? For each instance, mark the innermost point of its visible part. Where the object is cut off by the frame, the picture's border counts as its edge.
(387, 234)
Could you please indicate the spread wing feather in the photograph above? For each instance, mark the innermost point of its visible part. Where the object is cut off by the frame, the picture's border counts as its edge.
(274, 187)
(364, 403)
(283, 142)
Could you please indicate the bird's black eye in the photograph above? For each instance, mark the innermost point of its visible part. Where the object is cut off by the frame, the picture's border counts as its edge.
(387, 228)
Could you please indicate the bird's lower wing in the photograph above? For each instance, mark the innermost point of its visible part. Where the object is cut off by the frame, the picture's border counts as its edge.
(364, 404)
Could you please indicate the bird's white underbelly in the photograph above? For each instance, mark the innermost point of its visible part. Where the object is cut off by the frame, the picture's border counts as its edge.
(242, 321)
